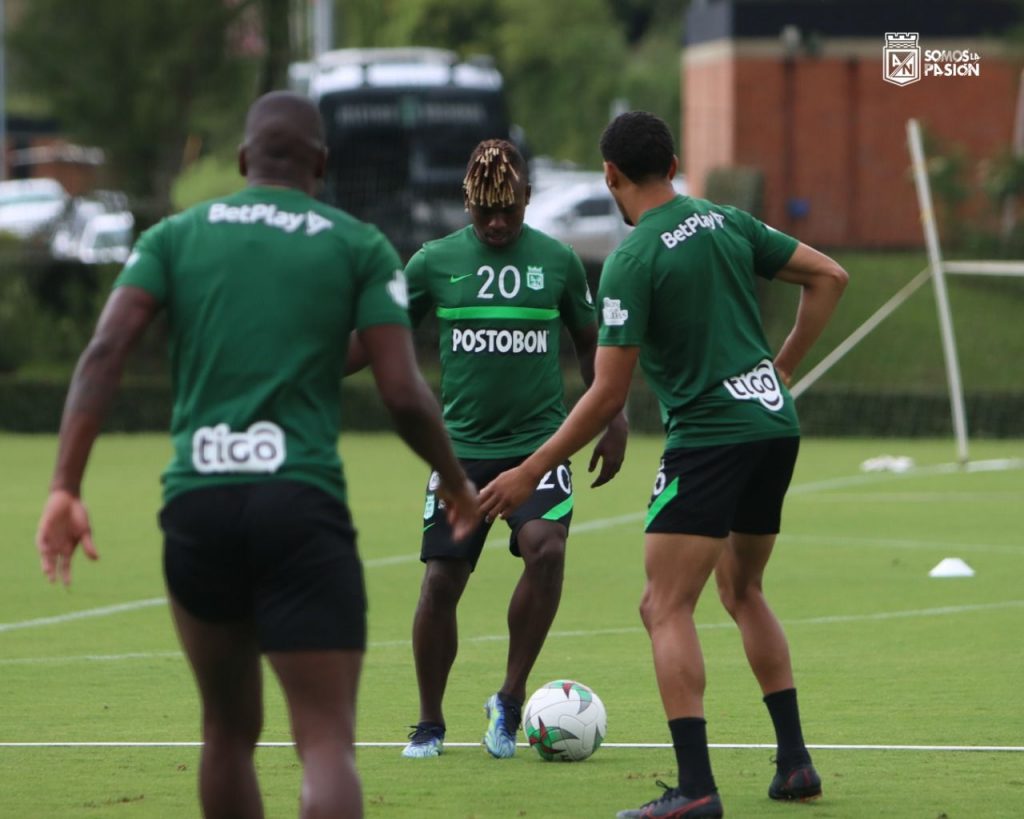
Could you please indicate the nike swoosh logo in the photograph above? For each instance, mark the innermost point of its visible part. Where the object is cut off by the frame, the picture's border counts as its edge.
(453, 278)
(428, 526)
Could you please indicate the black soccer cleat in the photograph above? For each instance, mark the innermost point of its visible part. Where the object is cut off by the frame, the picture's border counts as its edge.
(800, 784)
(673, 805)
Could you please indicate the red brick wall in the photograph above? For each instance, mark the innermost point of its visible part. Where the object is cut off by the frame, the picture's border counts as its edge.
(831, 132)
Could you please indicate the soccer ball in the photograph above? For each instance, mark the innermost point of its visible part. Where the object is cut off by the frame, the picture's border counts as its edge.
(565, 720)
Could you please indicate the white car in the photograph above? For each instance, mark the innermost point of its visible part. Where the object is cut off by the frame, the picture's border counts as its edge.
(28, 206)
(107, 239)
(580, 211)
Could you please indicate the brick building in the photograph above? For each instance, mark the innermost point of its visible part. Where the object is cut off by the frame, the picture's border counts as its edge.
(795, 89)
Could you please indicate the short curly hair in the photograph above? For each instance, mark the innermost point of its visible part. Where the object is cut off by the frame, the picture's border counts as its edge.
(640, 145)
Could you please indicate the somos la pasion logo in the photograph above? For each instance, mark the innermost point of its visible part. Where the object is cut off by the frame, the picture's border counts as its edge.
(904, 62)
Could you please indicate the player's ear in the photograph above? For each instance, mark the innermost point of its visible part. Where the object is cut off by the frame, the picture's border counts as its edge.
(243, 166)
(529, 190)
(611, 175)
(320, 167)
(674, 167)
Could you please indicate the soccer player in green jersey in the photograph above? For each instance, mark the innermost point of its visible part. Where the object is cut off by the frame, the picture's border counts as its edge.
(501, 292)
(679, 296)
(261, 291)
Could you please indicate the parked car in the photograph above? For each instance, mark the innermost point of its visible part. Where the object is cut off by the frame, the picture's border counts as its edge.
(107, 238)
(579, 210)
(94, 229)
(30, 206)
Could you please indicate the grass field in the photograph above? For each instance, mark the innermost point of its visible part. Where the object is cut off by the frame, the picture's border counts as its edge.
(902, 677)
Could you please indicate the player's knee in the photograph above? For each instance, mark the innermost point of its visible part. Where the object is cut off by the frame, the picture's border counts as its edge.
(442, 586)
(545, 556)
(231, 730)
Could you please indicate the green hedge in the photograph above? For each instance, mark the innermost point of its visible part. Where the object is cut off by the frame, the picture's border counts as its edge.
(35, 406)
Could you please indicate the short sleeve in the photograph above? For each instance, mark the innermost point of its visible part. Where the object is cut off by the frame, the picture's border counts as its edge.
(624, 301)
(576, 304)
(383, 296)
(772, 248)
(417, 280)
(148, 265)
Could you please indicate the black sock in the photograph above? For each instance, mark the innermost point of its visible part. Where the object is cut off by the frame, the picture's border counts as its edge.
(513, 711)
(789, 737)
(690, 741)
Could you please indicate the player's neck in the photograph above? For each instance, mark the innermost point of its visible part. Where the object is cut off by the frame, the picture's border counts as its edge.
(649, 197)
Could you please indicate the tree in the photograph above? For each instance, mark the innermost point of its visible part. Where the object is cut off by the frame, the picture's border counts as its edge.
(128, 77)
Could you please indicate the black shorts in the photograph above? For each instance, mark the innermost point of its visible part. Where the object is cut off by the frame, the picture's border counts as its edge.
(279, 553)
(715, 490)
(551, 500)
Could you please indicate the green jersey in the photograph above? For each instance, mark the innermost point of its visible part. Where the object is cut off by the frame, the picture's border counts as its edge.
(500, 312)
(681, 287)
(262, 289)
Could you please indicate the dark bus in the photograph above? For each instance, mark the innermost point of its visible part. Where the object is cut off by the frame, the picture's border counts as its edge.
(401, 124)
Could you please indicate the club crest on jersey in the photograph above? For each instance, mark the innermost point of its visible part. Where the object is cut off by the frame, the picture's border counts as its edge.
(535, 277)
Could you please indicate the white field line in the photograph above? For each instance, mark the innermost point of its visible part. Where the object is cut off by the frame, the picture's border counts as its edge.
(103, 611)
(499, 539)
(743, 746)
(940, 611)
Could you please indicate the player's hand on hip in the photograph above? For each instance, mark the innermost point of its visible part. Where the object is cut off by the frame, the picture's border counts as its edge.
(462, 508)
(64, 524)
(610, 451)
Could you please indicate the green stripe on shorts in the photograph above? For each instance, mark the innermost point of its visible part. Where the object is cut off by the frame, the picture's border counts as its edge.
(560, 511)
(667, 494)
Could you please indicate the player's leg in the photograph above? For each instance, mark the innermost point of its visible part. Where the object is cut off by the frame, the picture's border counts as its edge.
(687, 523)
(435, 632)
(320, 687)
(539, 529)
(677, 568)
(225, 659)
(740, 575)
(534, 601)
(309, 605)
(209, 604)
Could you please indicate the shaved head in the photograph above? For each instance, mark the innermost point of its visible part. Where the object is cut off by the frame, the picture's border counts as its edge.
(284, 142)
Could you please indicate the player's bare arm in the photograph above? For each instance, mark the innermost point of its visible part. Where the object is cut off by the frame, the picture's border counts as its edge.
(822, 281)
(355, 356)
(417, 418)
(65, 522)
(610, 449)
(606, 397)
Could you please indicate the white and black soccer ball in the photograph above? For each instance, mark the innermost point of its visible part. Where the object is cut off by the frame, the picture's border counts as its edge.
(565, 720)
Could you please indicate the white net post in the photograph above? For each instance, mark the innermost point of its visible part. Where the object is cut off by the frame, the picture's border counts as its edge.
(931, 237)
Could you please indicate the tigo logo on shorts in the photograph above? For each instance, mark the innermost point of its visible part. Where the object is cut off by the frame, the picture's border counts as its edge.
(217, 449)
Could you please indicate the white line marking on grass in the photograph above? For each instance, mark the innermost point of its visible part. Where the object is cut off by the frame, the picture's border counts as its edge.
(741, 746)
(497, 539)
(893, 543)
(605, 632)
(103, 611)
(995, 465)
(918, 497)
(93, 658)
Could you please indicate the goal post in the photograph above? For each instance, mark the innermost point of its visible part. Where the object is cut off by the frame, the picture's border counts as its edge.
(938, 276)
(936, 271)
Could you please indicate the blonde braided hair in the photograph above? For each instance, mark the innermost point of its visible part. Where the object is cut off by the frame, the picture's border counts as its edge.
(492, 174)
